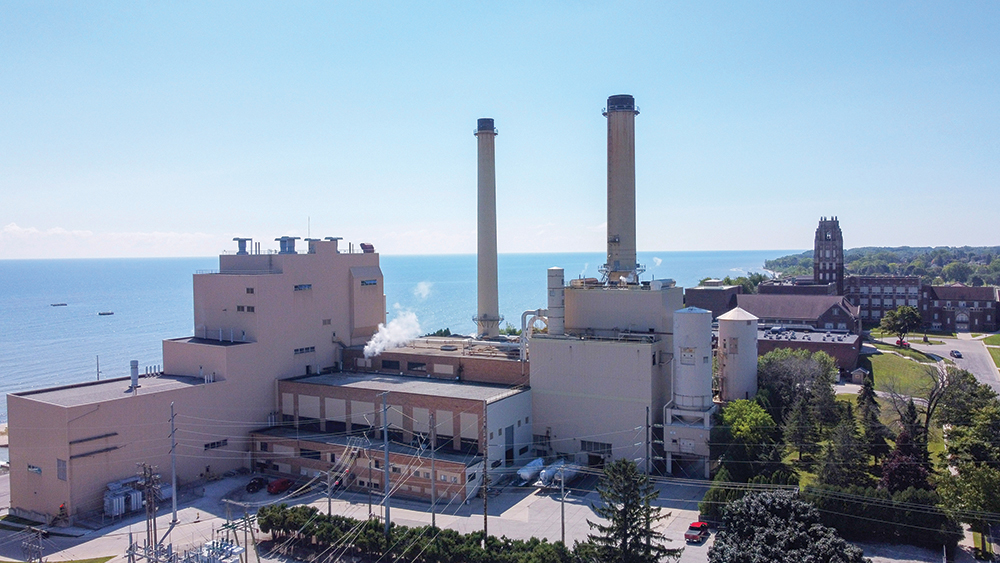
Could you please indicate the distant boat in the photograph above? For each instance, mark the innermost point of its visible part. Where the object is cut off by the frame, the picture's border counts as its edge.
(105, 313)
(58, 304)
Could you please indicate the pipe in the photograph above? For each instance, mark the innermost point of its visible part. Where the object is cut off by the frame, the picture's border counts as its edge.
(526, 328)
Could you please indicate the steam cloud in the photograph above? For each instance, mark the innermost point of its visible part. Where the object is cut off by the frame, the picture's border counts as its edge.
(584, 270)
(400, 330)
(657, 262)
(423, 289)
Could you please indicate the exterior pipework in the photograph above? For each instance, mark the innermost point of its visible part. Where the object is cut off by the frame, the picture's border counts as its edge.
(621, 112)
(488, 316)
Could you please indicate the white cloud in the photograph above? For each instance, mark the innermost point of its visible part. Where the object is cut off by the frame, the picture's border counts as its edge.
(58, 242)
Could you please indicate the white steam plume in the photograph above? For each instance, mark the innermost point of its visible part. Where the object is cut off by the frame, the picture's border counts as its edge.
(656, 262)
(423, 289)
(404, 328)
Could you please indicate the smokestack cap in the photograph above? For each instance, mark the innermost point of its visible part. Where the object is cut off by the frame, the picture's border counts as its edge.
(485, 124)
(621, 102)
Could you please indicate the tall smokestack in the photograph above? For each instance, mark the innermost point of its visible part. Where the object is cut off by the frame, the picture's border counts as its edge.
(621, 112)
(488, 316)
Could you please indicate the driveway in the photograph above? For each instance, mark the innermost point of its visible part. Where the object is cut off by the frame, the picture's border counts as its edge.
(975, 358)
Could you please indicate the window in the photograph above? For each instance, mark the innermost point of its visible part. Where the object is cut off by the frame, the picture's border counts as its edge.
(390, 364)
(263, 446)
(61, 469)
(369, 282)
(240, 308)
(309, 454)
(472, 476)
(250, 309)
(836, 311)
(303, 286)
(249, 291)
(215, 445)
(522, 451)
(394, 469)
(326, 322)
(734, 345)
(441, 477)
(416, 366)
(306, 350)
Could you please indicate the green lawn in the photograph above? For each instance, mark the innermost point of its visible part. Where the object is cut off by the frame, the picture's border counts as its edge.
(995, 352)
(992, 340)
(908, 376)
(908, 352)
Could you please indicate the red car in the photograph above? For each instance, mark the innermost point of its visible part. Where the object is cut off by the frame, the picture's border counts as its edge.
(697, 531)
(279, 486)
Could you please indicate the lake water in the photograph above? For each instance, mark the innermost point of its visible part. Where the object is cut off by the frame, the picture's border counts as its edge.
(43, 346)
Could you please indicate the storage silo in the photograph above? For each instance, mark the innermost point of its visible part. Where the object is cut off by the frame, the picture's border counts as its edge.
(737, 355)
(692, 386)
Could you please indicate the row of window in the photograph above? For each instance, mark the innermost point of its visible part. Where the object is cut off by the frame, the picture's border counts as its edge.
(215, 445)
(245, 309)
(306, 350)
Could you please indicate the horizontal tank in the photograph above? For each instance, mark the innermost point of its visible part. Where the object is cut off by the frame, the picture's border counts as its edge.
(530, 471)
(549, 473)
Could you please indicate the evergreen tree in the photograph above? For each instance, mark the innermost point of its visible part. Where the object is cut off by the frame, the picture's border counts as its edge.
(845, 458)
(800, 428)
(630, 535)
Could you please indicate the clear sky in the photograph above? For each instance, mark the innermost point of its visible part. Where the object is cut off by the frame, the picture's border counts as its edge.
(167, 128)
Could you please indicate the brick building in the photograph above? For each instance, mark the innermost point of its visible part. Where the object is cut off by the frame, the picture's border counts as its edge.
(874, 295)
(960, 308)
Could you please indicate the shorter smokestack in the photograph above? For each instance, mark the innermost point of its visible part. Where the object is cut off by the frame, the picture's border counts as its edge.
(557, 302)
(134, 368)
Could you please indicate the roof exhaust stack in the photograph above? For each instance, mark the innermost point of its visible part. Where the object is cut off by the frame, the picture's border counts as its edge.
(286, 245)
(488, 317)
(242, 242)
(134, 368)
(621, 264)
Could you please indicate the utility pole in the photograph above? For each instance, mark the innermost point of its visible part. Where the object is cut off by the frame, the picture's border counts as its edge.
(648, 472)
(329, 492)
(434, 498)
(385, 445)
(149, 486)
(173, 464)
(31, 547)
(562, 501)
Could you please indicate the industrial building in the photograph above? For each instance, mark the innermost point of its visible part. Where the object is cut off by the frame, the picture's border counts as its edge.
(275, 376)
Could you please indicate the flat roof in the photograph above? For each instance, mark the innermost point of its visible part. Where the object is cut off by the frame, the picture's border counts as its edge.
(208, 341)
(823, 337)
(108, 390)
(411, 384)
(445, 346)
(339, 439)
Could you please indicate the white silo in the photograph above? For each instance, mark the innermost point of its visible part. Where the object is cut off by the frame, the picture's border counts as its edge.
(692, 386)
(737, 355)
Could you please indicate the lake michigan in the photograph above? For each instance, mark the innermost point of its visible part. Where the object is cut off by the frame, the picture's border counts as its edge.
(43, 346)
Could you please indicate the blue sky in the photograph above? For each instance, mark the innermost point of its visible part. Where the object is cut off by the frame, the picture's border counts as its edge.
(166, 129)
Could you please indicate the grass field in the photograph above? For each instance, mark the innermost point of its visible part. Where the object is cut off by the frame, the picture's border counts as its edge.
(992, 340)
(906, 375)
(908, 352)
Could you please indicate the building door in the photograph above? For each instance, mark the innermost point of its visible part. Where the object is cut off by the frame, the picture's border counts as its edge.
(509, 445)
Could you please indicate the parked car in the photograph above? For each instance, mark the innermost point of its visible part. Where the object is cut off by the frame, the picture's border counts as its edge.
(697, 532)
(256, 484)
(902, 344)
(279, 486)
(955, 354)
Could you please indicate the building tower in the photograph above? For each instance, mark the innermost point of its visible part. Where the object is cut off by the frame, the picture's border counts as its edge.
(828, 254)
(621, 264)
(488, 315)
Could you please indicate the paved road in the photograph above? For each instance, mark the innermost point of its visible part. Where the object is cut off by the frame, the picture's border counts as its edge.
(975, 358)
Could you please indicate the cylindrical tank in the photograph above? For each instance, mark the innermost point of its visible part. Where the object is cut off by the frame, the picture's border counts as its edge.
(488, 316)
(692, 388)
(737, 355)
(134, 368)
(557, 302)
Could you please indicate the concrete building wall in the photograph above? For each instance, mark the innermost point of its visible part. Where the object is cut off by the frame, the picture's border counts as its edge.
(103, 441)
(595, 390)
(612, 310)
